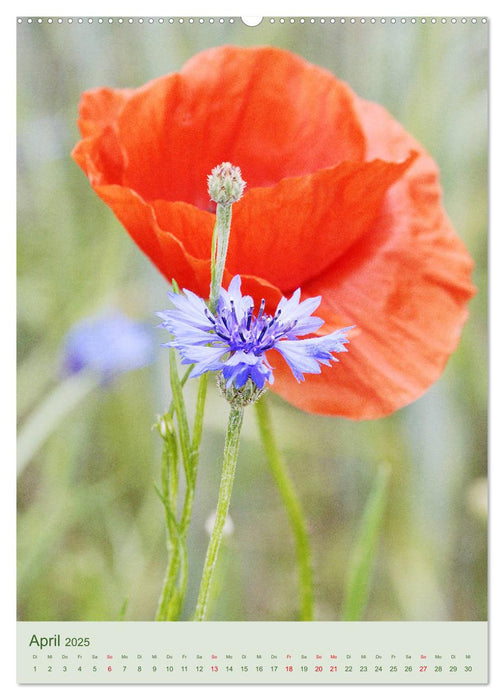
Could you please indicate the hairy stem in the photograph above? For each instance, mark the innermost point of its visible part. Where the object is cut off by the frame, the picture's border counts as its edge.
(228, 471)
(219, 251)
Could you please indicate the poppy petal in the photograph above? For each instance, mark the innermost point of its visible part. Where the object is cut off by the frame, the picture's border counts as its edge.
(320, 217)
(405, 285)
(162, 247)
(99, 109)
(268, 110)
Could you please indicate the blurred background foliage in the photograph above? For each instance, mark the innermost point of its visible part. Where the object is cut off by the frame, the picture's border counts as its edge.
(91, 538)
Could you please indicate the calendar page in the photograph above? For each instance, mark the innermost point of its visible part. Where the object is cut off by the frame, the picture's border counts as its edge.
(252, 349)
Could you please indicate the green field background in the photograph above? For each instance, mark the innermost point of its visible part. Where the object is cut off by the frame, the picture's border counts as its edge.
(91, 541)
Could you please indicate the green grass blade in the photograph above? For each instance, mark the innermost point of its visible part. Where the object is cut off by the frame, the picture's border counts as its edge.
(359, 574)
(122, 612)
(293, 507)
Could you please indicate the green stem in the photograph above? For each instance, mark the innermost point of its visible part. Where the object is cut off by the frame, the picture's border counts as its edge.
(198, 423)
(228, 471)
(220, 242)
(178, 401)
(168, 496)
(169, 474)
(294, 510)
(168, 590)
(171, 409)
(171, 599)
(187, 508)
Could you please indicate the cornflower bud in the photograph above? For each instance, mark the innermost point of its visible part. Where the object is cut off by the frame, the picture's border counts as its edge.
(225, 184)
(239, 396)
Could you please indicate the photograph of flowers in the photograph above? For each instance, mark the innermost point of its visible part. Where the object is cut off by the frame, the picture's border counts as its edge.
(252, 319)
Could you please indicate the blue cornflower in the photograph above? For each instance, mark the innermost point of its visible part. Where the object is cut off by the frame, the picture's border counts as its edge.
(235, 339)
(109, 344)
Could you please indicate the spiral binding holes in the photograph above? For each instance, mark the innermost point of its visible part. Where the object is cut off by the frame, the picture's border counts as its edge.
(250, 22)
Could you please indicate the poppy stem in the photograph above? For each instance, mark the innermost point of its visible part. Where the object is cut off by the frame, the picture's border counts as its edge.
(294, 510)
(220, 242)
(231, 447)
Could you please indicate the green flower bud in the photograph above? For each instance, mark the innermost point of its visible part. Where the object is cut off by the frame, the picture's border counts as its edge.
(225, 184)
(165, 427)
(247, 394)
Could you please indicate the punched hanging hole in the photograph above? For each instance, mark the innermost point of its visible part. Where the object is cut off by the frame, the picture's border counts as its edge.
(251, 21)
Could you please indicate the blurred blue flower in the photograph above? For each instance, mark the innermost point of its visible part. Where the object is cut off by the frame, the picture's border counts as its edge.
(234, 340)
(108, 344)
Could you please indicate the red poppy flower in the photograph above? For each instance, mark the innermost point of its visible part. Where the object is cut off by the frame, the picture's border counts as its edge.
(340, 200)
